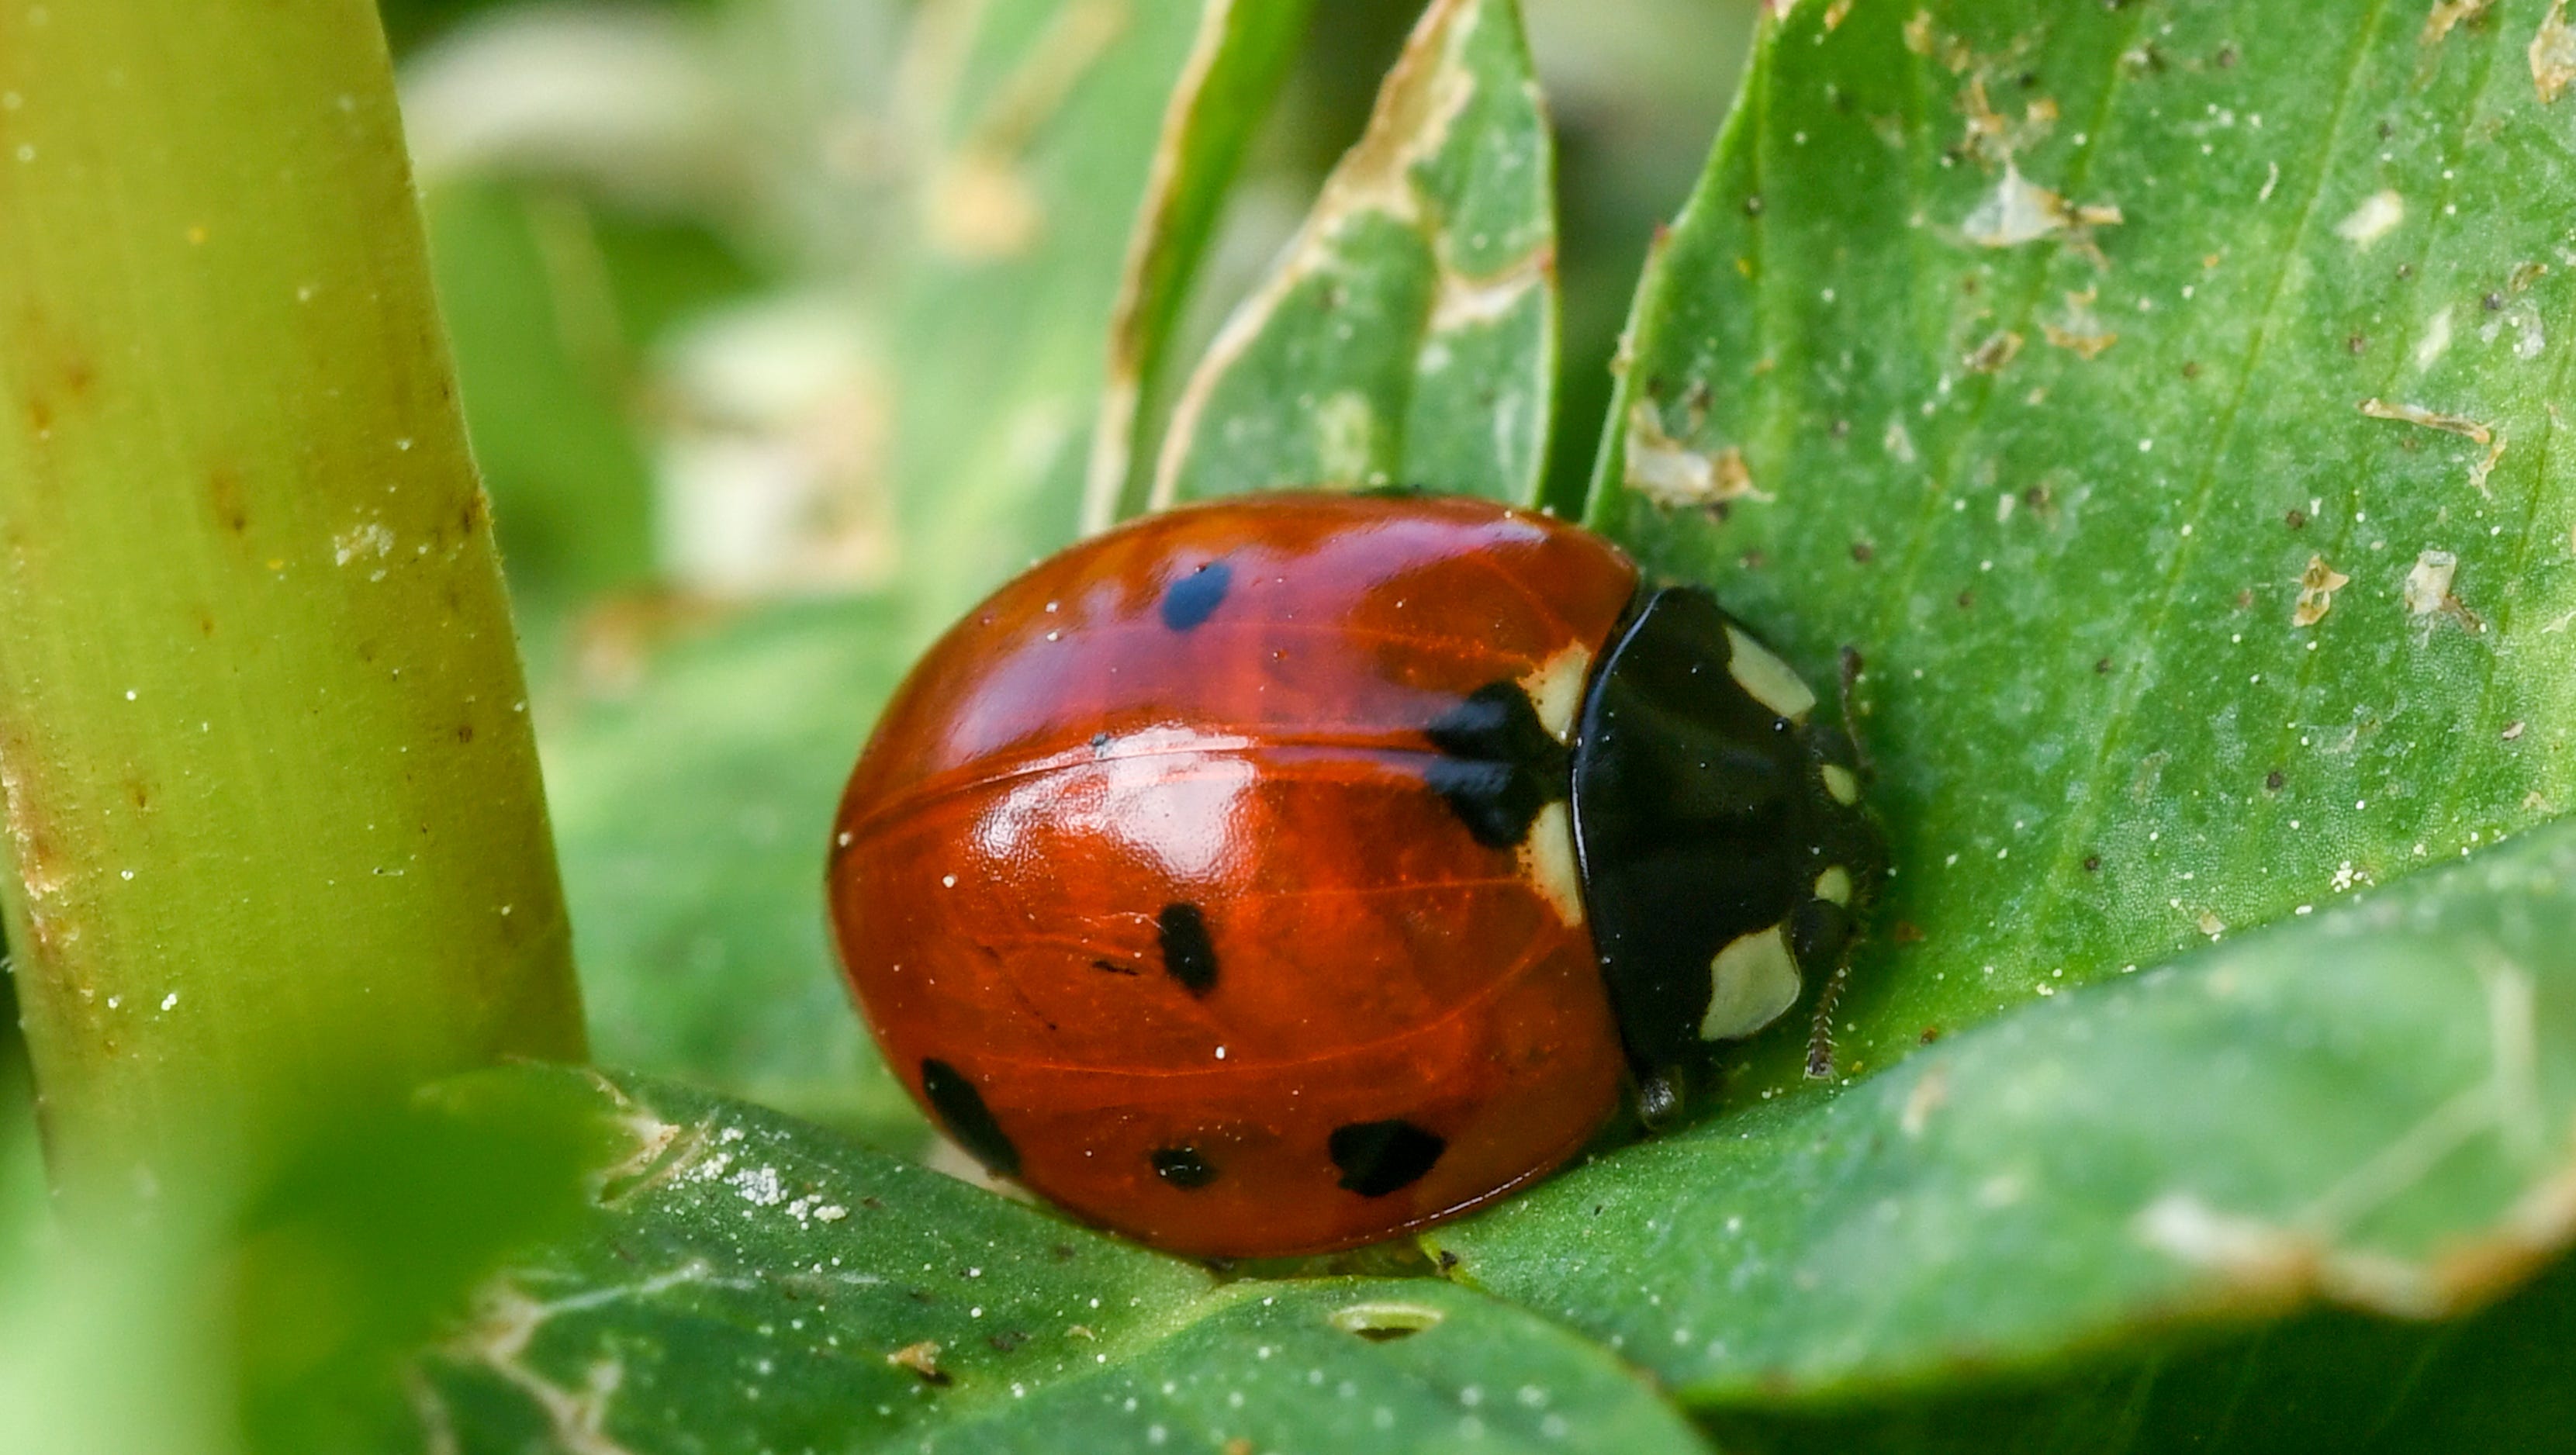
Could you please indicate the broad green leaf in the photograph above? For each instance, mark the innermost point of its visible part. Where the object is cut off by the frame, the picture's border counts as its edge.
(2041, 352)
(1409, 335)
(2331, 1383)
(751, 1284)
(694, 811)
(1048, 123)
(2373, 1107)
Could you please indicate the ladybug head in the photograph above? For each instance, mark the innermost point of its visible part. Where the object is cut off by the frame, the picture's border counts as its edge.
(1724, 851)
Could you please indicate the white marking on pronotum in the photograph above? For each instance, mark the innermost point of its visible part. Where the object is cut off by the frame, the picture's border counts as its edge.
(1555, 690)
(1752, 983)
(1769, 679)
(1547, 857)
(1840, 782)
(1835, 885)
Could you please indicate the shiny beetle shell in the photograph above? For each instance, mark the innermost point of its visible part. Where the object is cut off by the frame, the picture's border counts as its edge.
(1275, 875)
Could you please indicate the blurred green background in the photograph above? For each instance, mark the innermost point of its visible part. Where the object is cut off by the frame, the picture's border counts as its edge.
(666, 236)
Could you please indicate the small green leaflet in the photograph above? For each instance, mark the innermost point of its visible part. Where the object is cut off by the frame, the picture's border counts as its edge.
(1409, 336)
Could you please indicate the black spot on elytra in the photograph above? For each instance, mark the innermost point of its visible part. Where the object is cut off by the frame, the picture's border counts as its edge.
(1187, 954)
(1183, 1167)
(962, 1112)
(1501, 765)
(1376, 1158)
(1195, 597)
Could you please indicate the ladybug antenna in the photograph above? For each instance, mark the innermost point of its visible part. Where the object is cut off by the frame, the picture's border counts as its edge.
(1852, 667)
(1820, 1031)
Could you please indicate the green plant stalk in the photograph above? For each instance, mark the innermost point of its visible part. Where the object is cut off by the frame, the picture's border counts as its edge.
(274, 831)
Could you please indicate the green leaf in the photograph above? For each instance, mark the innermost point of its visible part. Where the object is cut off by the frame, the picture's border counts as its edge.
(751, 1284)
(1409, 336)
(2333, 1383)
(2032, 350)
(1059, 128)
(2373, 1107)
(694, 812)
(1204, 135)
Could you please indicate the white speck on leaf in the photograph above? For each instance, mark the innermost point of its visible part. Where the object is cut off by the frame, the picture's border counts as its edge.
(2416, 414)
(2376, 217)
(2428, 584)
(2021, 211)
(2436, 340)
(2317, 586)
(369, 538)
(1672, 474)
(2553, 54)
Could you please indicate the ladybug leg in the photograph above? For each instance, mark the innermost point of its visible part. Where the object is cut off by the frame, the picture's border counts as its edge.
(1660, 1094)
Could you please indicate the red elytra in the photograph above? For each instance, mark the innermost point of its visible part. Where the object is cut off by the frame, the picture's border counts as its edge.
(1146, 886)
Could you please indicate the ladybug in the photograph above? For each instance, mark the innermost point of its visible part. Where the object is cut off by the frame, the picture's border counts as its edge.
(1274, 875)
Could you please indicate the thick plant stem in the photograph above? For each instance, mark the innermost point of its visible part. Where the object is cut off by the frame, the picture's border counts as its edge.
(275, 837)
